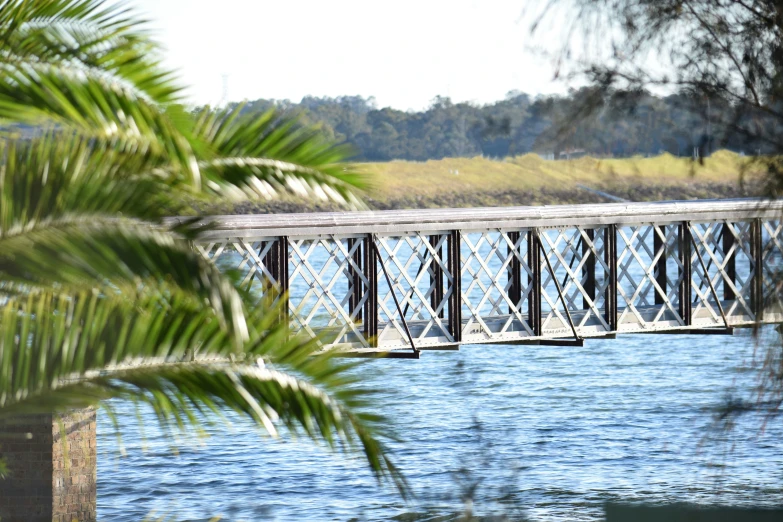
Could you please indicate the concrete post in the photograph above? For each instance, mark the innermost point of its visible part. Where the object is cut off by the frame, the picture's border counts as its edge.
(52, 468)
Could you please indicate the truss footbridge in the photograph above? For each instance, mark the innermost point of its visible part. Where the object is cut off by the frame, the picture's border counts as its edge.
(398, 282)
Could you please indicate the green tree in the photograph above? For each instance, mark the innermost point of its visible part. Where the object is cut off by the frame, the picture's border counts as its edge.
(724, 56)
(100, 296)
(723, 59)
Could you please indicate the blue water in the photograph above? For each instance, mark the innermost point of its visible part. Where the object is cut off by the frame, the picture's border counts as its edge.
(556, 431)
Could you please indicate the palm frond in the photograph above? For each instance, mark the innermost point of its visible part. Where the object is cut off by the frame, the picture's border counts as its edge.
(86, 34)
(55, 175)
(105, 253)
(52, 337)
(181, 394)
(89, 103)
(89, 66)
(63, 351)
(261, 156)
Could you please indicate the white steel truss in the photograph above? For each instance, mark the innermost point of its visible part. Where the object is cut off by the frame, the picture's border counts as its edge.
(725, 248)
(514, 284)
(322, 283)
(247, 257)
(495, 302)
(577, 260)
(648, 301)
(417, 270)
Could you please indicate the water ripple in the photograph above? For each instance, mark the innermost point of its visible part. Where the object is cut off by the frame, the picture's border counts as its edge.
(557, 431)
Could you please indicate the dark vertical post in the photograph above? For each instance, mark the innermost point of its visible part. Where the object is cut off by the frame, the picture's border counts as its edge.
(610, 257)
(355, 276)
(757, 286)
(436, 277)
(660, 266)
(588, 269)
(514, 272)
(685, 292)
(270, 261)
(455, 299)
(534, 260)
(283, 263)
(277, 262)
(370, 267)
(730, 262)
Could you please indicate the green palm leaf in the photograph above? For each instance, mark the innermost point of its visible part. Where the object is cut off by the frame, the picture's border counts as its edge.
(87, 102)
(95, 251)
(71, 351)
(101, 36)
(53, 176)
(87, 66)
(270, 154)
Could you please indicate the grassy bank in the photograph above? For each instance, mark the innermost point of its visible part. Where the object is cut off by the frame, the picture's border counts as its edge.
(531, 180)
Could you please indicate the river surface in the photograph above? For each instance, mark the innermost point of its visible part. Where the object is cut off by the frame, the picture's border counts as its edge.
(549, 433)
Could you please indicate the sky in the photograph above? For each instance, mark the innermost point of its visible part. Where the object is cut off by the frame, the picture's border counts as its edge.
(404, 53)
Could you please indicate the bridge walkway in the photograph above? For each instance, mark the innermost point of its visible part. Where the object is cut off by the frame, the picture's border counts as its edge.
(404, 281)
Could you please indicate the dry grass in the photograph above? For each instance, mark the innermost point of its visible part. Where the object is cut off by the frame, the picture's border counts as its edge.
(526, 180)
(405, 179)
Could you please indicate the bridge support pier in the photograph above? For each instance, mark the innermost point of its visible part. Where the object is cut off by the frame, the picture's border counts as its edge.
(52, 468)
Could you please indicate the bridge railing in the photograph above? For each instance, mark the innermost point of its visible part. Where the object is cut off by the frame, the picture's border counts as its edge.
(438, 278)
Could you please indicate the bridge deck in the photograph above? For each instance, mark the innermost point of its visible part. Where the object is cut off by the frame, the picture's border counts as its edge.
(415, 279)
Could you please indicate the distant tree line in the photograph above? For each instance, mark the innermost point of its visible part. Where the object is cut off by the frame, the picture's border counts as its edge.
(618, 124)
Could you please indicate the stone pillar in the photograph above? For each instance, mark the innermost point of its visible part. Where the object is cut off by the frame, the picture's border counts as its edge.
(52, 468)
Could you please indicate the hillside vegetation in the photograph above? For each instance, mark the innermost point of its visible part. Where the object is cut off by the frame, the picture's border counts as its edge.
(616, 124)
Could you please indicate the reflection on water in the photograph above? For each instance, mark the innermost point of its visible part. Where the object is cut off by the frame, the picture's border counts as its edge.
(557, 430)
